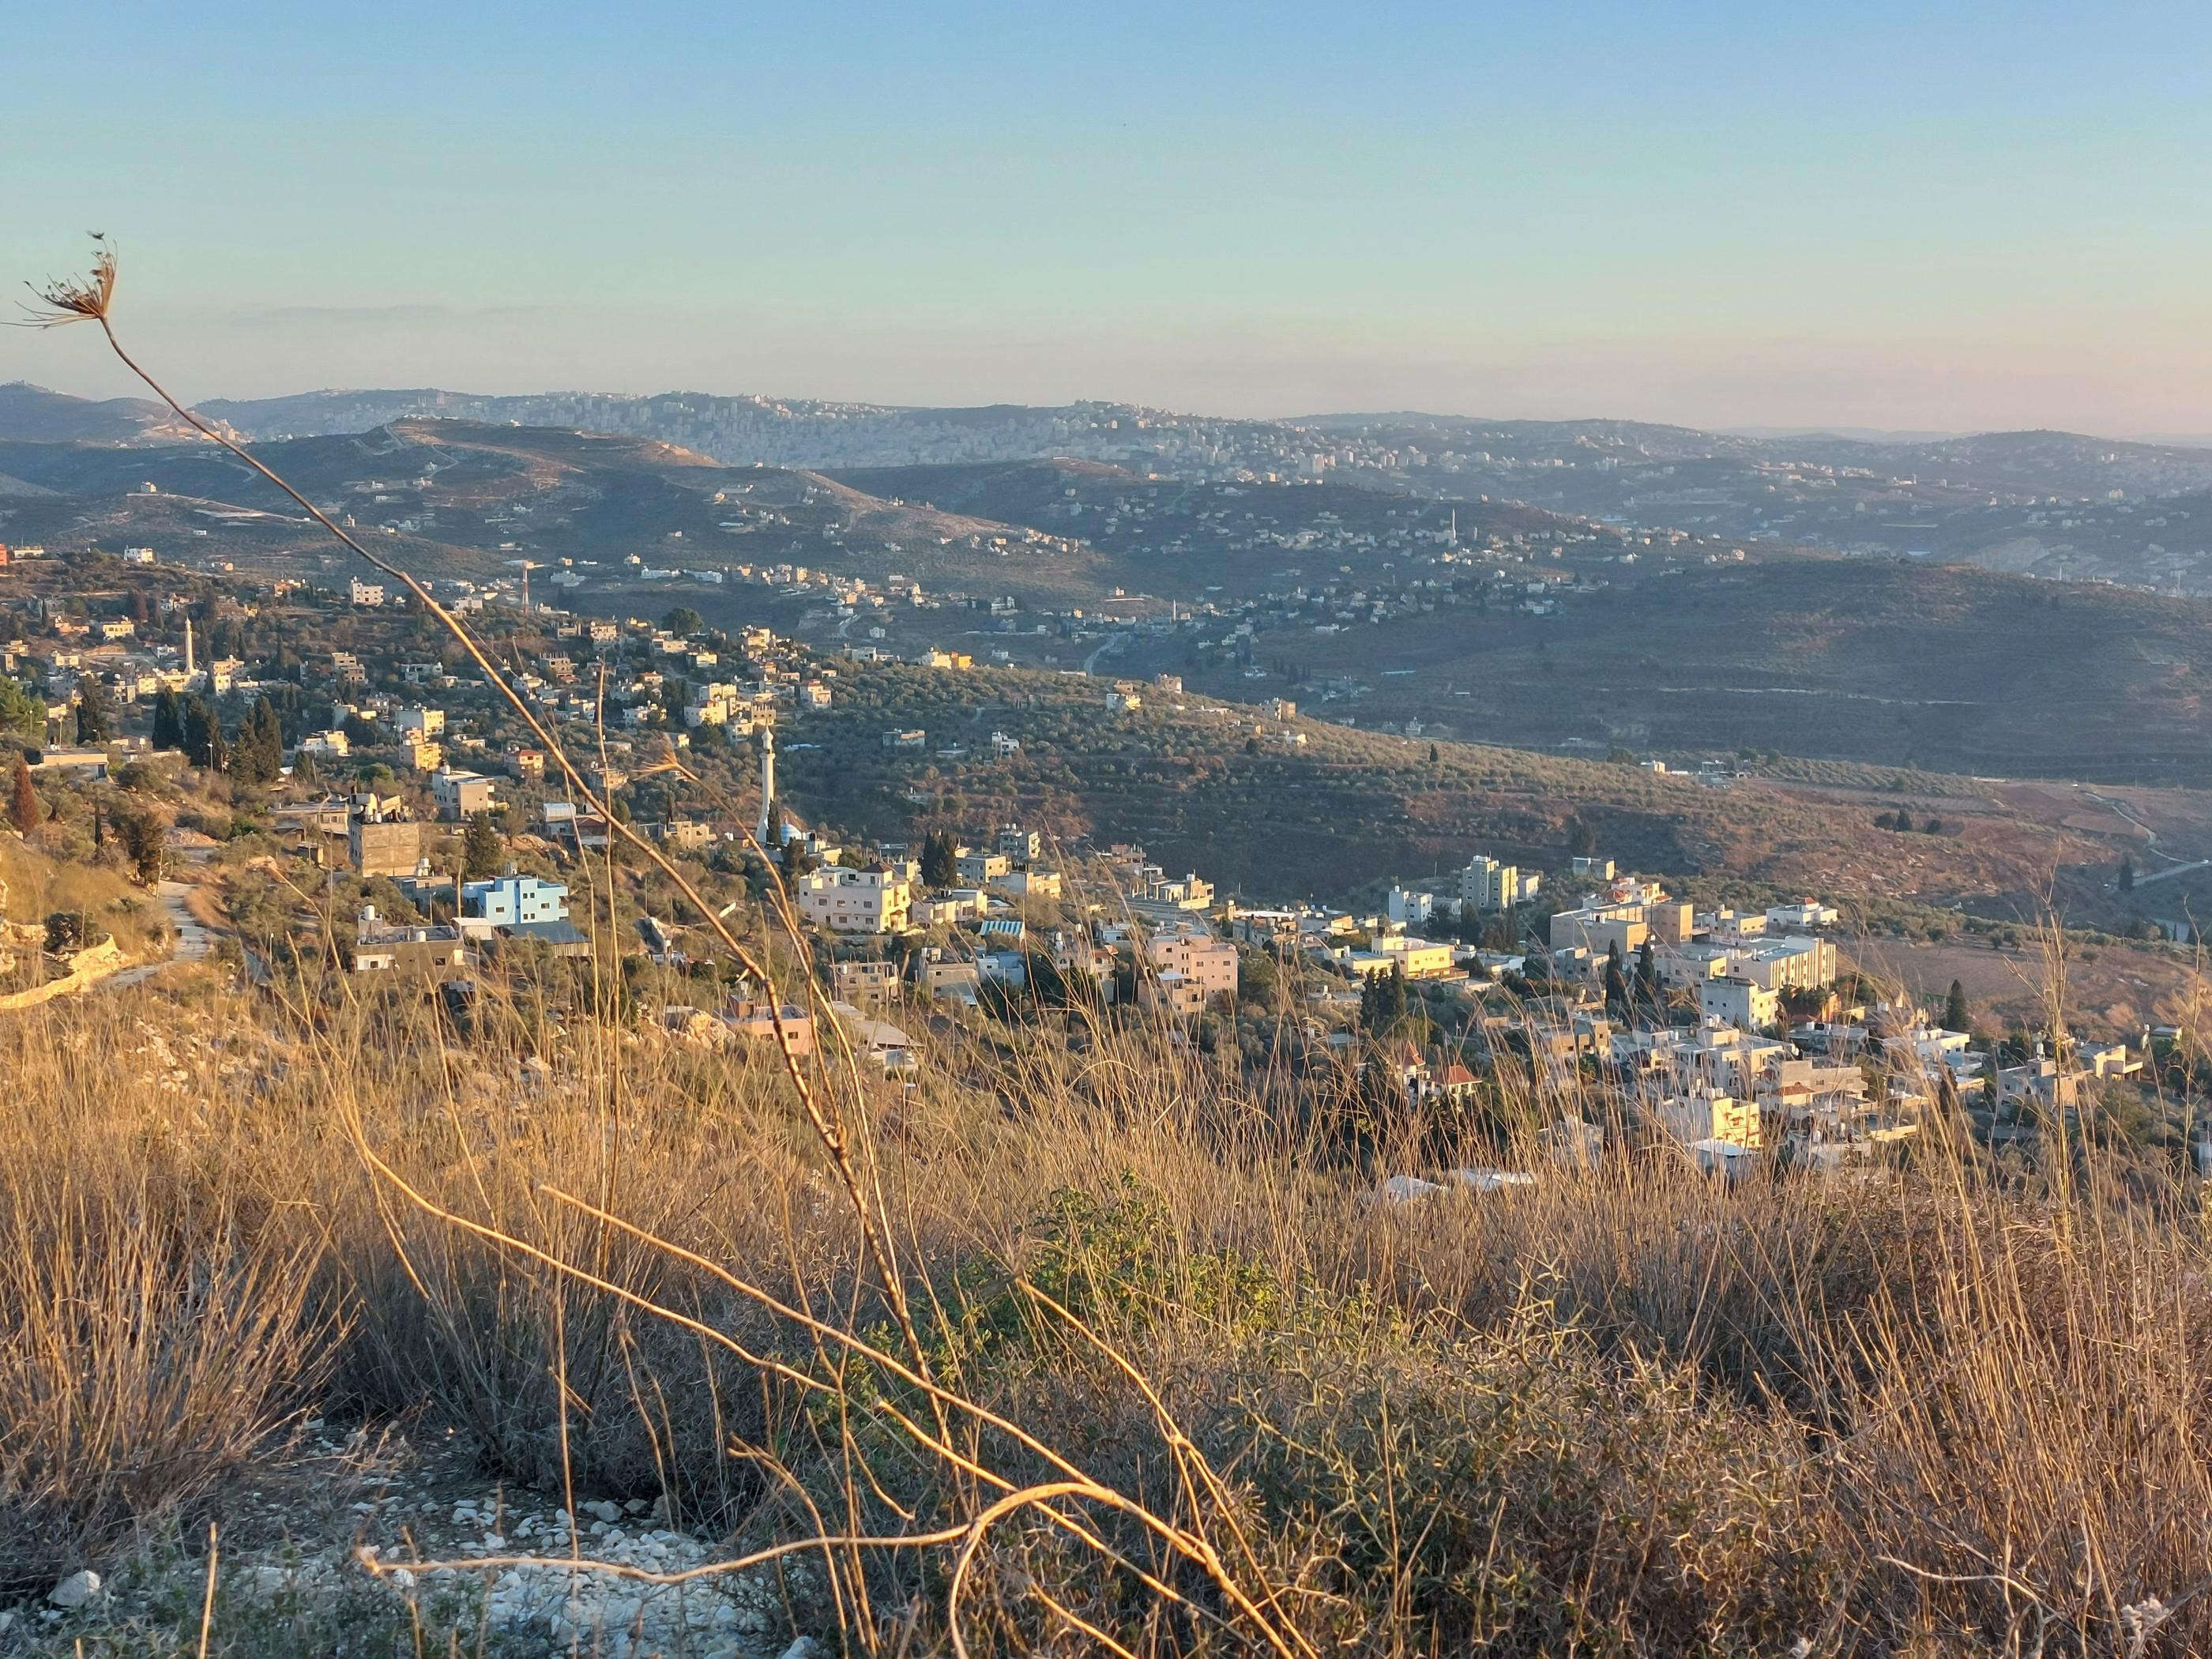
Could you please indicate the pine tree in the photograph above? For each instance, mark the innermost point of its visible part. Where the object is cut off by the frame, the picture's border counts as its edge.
(1616, 982)
(1647, 974)
(23, 811)
(2127, 875)
(305, 772)
(1956, 1016)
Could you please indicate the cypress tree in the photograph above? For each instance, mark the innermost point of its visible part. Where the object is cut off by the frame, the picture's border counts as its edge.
(201, 734)
(1956, 1016)
(260, 756)
(23, 801)
(92, 710)
(481, 849)
(169, 721)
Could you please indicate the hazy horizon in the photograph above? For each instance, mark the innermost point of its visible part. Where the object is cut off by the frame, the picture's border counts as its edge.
(1961, 222)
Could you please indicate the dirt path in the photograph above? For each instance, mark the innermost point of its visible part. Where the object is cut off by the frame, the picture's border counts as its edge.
(194, 937)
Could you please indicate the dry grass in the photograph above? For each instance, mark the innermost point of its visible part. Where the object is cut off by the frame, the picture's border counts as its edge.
(1626, 1411)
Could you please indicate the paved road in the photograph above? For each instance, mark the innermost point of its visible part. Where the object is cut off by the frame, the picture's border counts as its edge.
(1090, 663)
(193, 939)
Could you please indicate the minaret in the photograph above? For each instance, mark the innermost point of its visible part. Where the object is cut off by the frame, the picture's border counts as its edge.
(767, 785)
(188, 650)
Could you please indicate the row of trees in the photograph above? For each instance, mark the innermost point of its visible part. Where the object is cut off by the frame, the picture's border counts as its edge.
(254, 754)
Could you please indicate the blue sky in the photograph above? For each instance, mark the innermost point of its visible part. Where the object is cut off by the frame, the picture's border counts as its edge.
(1718, 213)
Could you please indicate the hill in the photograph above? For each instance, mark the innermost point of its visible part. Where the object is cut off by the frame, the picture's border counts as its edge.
(1881, 661)
(1284, 808)
(1474, 617)
(2055, 503)
(453, 498)
(32, 414)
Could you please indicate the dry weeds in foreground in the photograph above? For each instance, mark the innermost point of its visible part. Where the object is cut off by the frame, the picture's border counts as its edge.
(1198, 1394)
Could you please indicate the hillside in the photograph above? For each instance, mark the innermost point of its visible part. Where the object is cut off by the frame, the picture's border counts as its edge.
(1346, 808)
(1191, 538)
(451, 498)
(32, 414)
(1878, 661)
(2053, 504)
(1478, 618)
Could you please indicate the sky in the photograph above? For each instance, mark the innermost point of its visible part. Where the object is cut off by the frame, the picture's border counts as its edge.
(1715, 212)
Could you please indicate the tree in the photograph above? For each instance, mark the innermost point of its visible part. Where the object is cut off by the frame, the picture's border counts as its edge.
(1582, 839)
(1435, 754)
(169, 721)
(202, 734)
(143, 844)
(1933, 826)
(305, 772)
(1384, 1007)
(684, 620)
(1956, 1016)
(1616, 982)
(482, 850)
(92, 713)
(2127, 875)
(21, 712)
(23, 810)
(940, 865)
(258, 755)
(1647, 975)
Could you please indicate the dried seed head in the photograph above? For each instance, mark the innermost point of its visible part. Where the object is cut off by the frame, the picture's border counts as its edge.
(68, 300)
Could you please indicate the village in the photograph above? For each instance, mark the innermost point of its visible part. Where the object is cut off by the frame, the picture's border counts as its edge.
(453, 854)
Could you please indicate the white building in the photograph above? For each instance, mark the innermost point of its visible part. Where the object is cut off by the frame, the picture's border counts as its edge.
(854, 901)
(460, 793)
(1806, 912)
(512, 901)
(1740, 1003)
(1409, 909)
(1488, 884)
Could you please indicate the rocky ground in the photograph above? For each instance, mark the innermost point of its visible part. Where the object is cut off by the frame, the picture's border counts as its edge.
(364, 1546)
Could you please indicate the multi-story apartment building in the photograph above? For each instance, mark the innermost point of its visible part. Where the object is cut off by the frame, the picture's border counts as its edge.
(853, 901)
